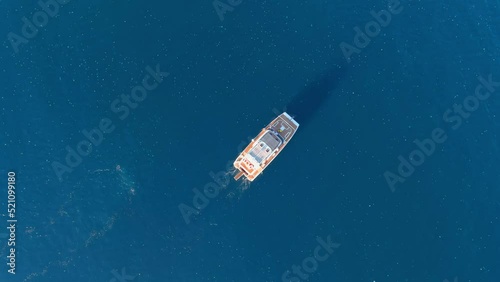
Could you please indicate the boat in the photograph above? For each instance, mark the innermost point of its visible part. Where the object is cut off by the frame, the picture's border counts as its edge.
(264, 148)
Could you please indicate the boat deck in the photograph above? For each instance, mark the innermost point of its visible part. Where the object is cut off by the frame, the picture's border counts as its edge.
(265, 147)
(284, 127)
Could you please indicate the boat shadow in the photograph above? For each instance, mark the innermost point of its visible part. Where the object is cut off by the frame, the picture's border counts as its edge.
(308, 101)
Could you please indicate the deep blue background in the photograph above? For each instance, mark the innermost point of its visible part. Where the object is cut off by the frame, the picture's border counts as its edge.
(226, 79)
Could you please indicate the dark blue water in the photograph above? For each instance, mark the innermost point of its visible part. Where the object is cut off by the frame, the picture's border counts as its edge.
(116, 217)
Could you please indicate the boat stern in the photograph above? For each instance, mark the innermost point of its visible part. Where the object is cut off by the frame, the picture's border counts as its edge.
(247, 166)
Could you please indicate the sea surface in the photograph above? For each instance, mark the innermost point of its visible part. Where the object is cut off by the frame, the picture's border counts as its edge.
(116, 214)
